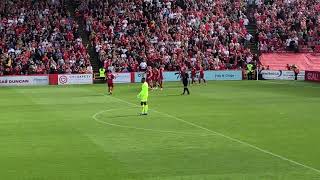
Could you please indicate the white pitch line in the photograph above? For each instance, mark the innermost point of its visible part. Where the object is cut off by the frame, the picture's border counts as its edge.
(227, 137)
(138, 128)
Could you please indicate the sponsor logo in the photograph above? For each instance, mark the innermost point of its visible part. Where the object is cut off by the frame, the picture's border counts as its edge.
(23, 80)
(122, 78)
(281, 75)
(63, 79)
(15, 81)
(223, 75)
(140, 75)
(313, 76)
(272, 73)
(79, 76)
(75, 79)
(19, 81)
(40, 80)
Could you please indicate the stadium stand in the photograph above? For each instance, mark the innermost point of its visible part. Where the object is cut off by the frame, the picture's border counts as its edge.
(39, 37)
(127, 33)
(290, 25)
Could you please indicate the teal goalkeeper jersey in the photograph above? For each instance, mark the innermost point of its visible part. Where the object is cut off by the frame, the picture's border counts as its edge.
(144, 92)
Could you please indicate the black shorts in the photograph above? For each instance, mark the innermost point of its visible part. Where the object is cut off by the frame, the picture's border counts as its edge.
(143, 103)
(185, 83)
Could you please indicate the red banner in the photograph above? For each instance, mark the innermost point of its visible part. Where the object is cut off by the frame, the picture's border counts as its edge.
(278, 61)
(312, 76)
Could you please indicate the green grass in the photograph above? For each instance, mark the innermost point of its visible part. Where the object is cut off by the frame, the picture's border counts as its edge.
(49, 133)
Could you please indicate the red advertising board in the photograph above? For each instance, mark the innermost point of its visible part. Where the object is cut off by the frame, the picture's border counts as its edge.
(312, 76)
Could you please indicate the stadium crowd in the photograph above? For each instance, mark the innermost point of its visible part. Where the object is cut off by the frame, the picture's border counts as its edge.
(39, 37)
(289, 25)
(127, 34)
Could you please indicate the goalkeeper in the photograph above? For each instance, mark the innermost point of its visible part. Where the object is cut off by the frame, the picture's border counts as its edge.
(143, 95)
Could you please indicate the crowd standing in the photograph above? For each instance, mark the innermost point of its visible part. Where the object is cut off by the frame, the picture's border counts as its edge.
(40, 37)
(288, 25)
(130, 35)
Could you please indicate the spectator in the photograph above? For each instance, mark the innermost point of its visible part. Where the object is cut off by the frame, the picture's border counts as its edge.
(140, 33)
(39, 37)
(143, 66)
(288, 25)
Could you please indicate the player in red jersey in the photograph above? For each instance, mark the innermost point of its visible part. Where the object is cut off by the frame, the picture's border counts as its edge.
(149, 76)
(155, 77)
(193, 75)
(201, 76)
(160, 80)
(110, 78)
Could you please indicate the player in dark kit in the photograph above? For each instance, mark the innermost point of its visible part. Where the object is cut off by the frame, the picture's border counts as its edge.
(110, 78)
(185, 81)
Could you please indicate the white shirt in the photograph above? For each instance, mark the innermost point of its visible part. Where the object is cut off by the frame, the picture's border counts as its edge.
(288, 41)
(123, 56)
(89, 69)
(248, 37)
(246, 22)
(111, 68)
(98, 47)
(143, 65)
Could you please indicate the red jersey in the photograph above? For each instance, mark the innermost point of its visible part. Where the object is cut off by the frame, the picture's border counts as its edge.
(155, 74)
(149, 74)
(193, 72)
(161, 70)
(201, 71)
(110, 78)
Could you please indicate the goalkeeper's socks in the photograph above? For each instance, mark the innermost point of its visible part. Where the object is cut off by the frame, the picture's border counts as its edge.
(143, 109)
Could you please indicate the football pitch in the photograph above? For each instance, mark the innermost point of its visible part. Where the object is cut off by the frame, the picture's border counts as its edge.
(227, 130)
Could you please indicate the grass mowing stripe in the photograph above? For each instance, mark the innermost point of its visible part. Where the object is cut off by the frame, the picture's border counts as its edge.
(291, 84)
(225, 136)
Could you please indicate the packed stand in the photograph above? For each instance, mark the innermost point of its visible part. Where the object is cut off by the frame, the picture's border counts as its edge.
(39, 37)
(129, 35)
(289, 25)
